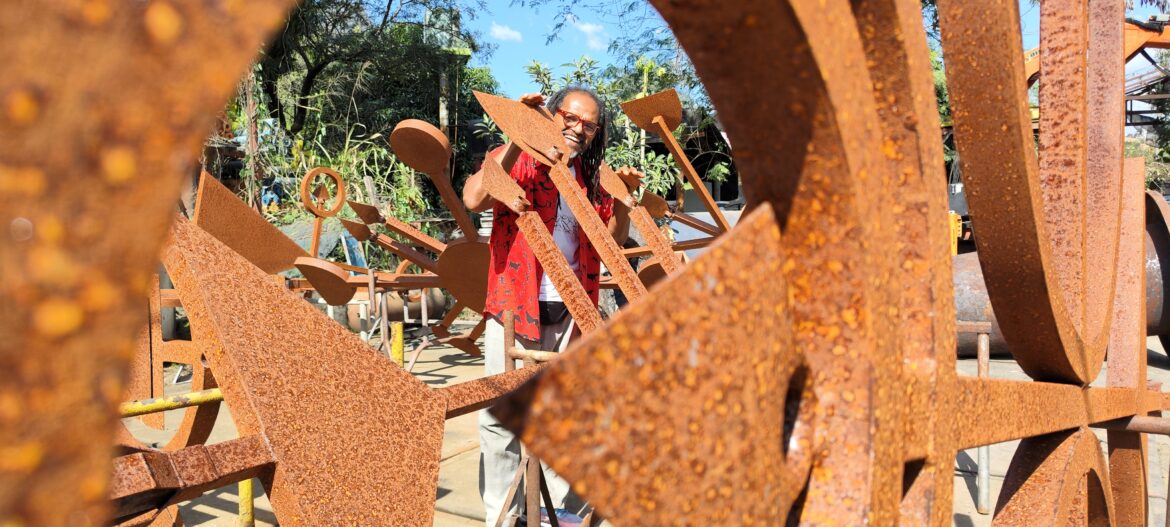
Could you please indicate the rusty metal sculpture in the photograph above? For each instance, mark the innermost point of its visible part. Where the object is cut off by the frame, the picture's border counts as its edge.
(843, 396)
(865, 287)
(302, 445)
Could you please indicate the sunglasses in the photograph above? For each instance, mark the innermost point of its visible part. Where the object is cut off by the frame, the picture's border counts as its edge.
(571, 119)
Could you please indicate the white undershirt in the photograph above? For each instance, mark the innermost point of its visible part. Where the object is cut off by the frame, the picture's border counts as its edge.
(565, 235)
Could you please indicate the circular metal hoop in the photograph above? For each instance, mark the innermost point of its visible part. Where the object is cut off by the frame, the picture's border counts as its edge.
(310, 201)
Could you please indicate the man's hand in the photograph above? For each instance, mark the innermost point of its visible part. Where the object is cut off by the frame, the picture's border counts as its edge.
(632, 177)
(533, 99)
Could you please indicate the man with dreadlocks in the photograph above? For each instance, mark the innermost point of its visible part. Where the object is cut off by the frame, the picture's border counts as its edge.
(516, 280)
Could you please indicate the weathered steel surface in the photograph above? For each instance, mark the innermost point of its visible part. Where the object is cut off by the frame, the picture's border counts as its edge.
(152, 479)
(878, 135)
(611, 417)
(462, 264)
(1022, 267)
(103, 106)
(1127, 351)
(641, 220)
(330, 281)
(1056, 479)
(219, 212)
(800, 370)
(528, 128)
(664, 104)
(271, 382)
(424, 148)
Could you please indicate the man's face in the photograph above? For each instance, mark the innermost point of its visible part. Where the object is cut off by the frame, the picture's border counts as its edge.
(580, 134)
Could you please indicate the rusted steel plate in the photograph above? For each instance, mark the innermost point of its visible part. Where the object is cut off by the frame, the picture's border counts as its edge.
(664, 104)
(1020, 409)
(1063, 42)
(103, 107)
(1104, 165)
(642, 221)
(272, 383)
(1057, 479)
(221, 213)
(597, 232)
(552, 261)
(810, 158)
(423, 147)
(463, 267)
(527, 127)
(149, 365)
(471, 396)
(404, 251)
(660, 124)
(330, 281)
(152, 479)
(630, 414)
(1127, 350)
(897, 59)
(1008, 199)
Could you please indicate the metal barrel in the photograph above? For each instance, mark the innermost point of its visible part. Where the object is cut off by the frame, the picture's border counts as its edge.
(973, 305)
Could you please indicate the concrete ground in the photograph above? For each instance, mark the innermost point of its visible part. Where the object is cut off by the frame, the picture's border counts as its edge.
(458, 503)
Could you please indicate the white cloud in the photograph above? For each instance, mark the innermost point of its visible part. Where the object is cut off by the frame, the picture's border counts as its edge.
(505, 33)
(594, 33)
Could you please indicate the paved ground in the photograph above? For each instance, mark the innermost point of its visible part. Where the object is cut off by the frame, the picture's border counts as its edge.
(458, 502)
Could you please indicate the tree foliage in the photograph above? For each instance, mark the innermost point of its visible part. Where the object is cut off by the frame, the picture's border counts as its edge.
(342, 73)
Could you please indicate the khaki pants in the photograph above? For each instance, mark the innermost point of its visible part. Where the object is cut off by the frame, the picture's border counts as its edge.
(499, 456)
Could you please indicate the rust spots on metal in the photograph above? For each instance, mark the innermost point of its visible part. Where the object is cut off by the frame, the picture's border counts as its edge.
(219, 212)
(1022, 265)
(530, 129)
(344, 443)
(664, 104)
(330, 281)
(107, 115)
(612, 409)
(661, 113)
(617, 186)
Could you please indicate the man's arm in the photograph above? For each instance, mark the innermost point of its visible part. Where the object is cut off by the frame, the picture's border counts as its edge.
(475, 195)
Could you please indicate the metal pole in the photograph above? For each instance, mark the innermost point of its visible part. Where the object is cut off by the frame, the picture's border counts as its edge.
(396, 343)
(1145, 424)
(247, 504)
(174, 402)
(983, 482)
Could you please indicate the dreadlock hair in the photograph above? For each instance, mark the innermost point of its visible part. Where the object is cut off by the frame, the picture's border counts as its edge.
(593, 156)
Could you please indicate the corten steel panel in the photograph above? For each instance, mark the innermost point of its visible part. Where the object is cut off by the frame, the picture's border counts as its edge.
(836, 125)
(1019, 209)
(104, 106)
(837, 160)
(219, 212)
(630, 416)
(1127, 350)
(376, 424)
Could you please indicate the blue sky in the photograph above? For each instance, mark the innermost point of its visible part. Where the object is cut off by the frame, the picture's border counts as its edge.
(519, 34)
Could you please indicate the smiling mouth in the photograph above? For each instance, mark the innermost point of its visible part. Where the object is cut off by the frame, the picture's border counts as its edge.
(572, 139)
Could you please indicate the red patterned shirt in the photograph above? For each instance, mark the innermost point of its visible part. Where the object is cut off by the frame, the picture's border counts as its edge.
(514, 274)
